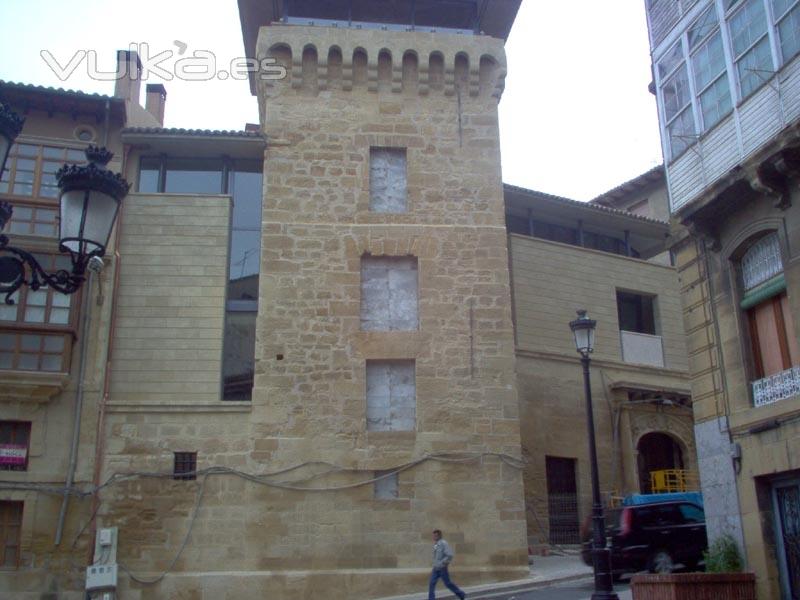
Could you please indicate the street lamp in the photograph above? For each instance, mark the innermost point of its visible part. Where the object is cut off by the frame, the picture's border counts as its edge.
(583, 330)
(10, 126)
(89, 201)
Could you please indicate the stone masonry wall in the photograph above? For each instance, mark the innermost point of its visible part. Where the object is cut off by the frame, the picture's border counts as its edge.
(307, 426)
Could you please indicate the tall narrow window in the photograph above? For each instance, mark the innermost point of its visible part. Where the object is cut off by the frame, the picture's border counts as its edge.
(245, 262)
(391, 395)
(389, 293)
(387, 180)
(708, 63)
(677, 100)
(787, 22)
(10, 533)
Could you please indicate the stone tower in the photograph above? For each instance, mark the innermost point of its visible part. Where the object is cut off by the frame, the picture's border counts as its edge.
(384, 335)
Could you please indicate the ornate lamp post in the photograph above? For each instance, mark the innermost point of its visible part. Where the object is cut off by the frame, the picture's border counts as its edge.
(583, 330)
(89, 201)
(10, 126)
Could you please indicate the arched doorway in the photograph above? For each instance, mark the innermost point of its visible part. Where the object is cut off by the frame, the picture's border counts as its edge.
(657, 451)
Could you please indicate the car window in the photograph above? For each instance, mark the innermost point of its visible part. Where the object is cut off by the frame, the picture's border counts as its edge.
(692, 513)
(657, 516)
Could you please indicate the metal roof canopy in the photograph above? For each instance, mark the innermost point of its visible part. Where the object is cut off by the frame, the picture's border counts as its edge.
(197, 143)
(490, 17)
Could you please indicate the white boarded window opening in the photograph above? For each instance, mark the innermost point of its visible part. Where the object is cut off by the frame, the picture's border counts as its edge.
(387, 180)
(386, 488)
(389, 293)
(391, 395)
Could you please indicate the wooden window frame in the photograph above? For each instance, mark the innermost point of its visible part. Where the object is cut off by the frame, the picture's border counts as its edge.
(23, 151)
(7, 507)
(781, 334)
(31, 223)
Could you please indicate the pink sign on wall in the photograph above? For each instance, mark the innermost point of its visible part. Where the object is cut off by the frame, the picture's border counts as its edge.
(13, 454)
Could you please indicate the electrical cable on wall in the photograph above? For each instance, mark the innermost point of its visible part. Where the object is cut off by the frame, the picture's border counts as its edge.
(262, 479)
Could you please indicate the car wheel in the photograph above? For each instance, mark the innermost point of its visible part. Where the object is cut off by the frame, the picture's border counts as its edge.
(661, 562)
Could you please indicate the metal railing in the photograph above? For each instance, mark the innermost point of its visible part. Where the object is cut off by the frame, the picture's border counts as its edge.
(779, 386)
(673, 480)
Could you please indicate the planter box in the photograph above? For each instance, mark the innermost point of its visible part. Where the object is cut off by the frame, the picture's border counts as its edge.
(699, 586)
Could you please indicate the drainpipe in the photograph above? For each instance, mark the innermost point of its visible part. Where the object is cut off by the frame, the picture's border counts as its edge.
(76, 426)
(106, 122)
(99, 446)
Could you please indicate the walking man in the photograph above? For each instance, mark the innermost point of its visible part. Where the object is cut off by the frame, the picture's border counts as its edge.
(442, 555)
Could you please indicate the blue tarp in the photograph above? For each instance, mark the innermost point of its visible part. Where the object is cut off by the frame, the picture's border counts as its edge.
(637, 499)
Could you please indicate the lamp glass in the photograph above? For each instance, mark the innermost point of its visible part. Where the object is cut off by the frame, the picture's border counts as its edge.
(584, 339)
(87, 217)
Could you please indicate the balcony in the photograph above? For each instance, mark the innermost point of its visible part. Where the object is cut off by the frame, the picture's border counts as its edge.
(779, 386)
(642, 349)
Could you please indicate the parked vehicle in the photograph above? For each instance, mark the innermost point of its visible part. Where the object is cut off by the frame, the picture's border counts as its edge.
(656, 537)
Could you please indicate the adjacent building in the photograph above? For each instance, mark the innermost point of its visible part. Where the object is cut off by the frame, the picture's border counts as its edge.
(727, 79)
(611, 261)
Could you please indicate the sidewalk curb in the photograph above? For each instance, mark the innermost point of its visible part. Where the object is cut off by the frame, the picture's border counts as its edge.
(488, 591)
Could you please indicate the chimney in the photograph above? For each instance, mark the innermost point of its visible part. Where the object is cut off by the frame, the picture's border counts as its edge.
(129, 72)
(155, 101)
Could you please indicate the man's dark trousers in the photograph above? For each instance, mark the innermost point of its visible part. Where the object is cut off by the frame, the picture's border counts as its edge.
(442, 574)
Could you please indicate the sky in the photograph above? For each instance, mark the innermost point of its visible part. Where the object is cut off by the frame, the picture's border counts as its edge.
(576, 118)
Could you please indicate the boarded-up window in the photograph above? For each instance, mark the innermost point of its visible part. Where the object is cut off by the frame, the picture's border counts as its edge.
(389, 293)
(387, 487)
(391, 395)
(387, 180)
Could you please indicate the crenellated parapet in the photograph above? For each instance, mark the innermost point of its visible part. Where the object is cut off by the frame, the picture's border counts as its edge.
(328, 58)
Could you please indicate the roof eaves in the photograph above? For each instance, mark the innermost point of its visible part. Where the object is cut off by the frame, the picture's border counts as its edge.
(631, 185)
(29, 87)
(585, 205)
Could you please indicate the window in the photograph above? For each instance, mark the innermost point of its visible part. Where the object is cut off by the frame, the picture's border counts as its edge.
(185, 466)
(752, 55)
(389, 294)
(34, 220)
(14, 444)
(238, 369)
(391, 395)
(708, 65)
(787, 23)
(10, 533)
(773, 343)
(387, 486)
(36, 331)
(181, 175)
(387, 180)
(31, 170)
(692, 513)
(636, 312)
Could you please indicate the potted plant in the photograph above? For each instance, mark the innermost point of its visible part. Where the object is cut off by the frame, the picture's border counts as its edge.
(723, 579)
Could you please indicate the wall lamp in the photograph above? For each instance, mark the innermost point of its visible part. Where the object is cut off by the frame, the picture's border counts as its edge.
(89, 200)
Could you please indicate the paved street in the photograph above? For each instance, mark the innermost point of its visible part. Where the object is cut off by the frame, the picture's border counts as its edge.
(573, 590)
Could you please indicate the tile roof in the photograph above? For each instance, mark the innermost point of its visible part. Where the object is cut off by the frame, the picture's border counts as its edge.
(29, 87)
(585, 205)
(638, 182)
(193, 132)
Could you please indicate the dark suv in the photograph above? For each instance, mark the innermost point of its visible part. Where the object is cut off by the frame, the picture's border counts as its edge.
(656, 537)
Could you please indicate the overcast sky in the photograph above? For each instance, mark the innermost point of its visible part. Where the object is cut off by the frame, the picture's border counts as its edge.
(576, 117)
